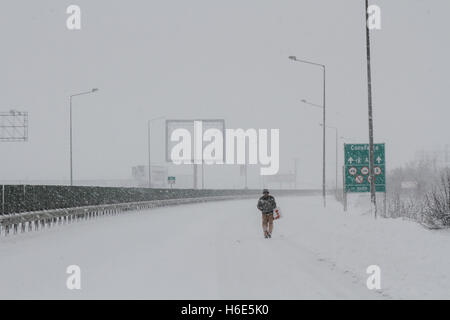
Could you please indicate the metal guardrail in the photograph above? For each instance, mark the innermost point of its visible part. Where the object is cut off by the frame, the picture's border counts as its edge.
(25, 198)
(38, 220)
(34, 221)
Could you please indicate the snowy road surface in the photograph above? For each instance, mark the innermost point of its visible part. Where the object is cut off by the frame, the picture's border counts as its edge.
(216, 250)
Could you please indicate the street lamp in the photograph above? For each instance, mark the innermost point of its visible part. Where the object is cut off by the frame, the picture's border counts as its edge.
(296, 160)
(149, 154)
(71, 133)
(323, 106)
(337, 150)
(312, 104)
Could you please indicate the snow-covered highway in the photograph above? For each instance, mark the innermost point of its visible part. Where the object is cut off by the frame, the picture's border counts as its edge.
(216, 250)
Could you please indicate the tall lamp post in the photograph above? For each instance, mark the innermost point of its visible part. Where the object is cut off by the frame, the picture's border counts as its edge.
(337, 151)
(373, 194)
(296, 160)
(293, 58)
(149, 150)
(71, 133)
(324, 134)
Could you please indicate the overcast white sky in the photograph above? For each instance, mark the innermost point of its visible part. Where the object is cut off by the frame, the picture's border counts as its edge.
(220, 59)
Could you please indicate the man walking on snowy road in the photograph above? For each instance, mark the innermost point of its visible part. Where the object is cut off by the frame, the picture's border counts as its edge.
(266, 204)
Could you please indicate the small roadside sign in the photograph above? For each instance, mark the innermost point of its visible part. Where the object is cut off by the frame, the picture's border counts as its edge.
(171, 180)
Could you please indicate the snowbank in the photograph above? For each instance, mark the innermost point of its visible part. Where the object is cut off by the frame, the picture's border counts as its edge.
(414, 261)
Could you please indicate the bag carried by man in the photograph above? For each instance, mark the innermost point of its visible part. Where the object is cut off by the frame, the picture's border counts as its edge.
(277, 213)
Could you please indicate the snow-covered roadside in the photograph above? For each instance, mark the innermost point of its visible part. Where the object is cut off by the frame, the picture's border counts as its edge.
(414, 261)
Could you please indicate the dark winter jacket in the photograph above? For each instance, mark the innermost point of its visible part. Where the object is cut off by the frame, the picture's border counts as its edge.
(267, 204)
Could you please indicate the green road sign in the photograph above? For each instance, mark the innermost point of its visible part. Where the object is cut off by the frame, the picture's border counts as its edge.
(171, 181)
(357, 164)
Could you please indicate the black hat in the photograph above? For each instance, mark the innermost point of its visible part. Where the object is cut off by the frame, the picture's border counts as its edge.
(265, 191)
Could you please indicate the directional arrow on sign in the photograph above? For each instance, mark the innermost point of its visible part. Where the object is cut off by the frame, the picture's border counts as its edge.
(357, 167)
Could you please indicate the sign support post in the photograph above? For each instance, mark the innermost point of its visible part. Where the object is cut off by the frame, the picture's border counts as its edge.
(3, 199)
(370, 113)
(171, 181)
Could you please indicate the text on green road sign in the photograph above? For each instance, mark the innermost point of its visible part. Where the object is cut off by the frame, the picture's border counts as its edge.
(357, 167)
(171, 180)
